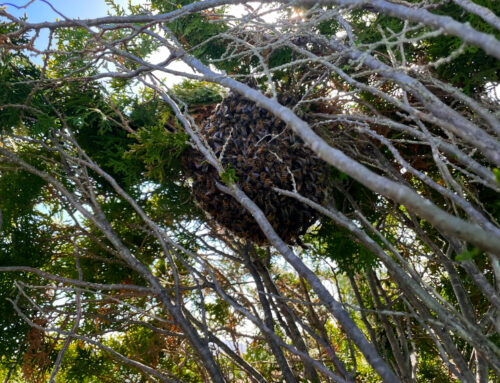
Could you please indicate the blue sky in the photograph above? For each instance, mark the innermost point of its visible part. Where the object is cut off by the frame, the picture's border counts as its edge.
(40, 11)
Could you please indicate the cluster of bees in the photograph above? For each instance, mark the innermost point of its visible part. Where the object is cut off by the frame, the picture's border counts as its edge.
(262, 153)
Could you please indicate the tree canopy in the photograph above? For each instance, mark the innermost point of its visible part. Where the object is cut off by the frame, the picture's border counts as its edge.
(235, 191)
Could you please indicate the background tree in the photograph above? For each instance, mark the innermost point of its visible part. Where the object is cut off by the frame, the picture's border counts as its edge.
(111, 269)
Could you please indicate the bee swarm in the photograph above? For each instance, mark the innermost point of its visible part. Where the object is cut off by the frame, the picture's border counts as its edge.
(264, 154)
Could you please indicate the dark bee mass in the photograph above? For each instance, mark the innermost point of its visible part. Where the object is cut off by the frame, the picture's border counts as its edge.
(264, 154)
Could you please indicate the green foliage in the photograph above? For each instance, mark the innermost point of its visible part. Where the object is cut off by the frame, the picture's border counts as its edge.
(337, 243)
(23, 105)
(194, 31)
(197, 93)
(491, 198)
(159, 149)
(71, 42)
(147, 164)
(87, 365)
(18, 192)
(430, 368)
(259, 354)
(365, 198)
(280, 56)
(26, 240)
(496, 172)
(470, 71)
(98, 131)
(218, 311)
(13, 328)
(172, 202)
(229, 175)
(474, 68)
(467, 255)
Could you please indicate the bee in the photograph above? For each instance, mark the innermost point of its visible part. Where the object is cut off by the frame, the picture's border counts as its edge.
(232, 104)
(254, 177)
(284, 176)
(260, 124)
(256, 113)
(211, 190)
(260, 150)
(205, 197)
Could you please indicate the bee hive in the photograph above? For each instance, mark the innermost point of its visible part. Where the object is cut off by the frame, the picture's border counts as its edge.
(262, 154)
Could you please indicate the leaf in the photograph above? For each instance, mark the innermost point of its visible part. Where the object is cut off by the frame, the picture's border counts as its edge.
(467, 255)
(496, 172)
(229, 176)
